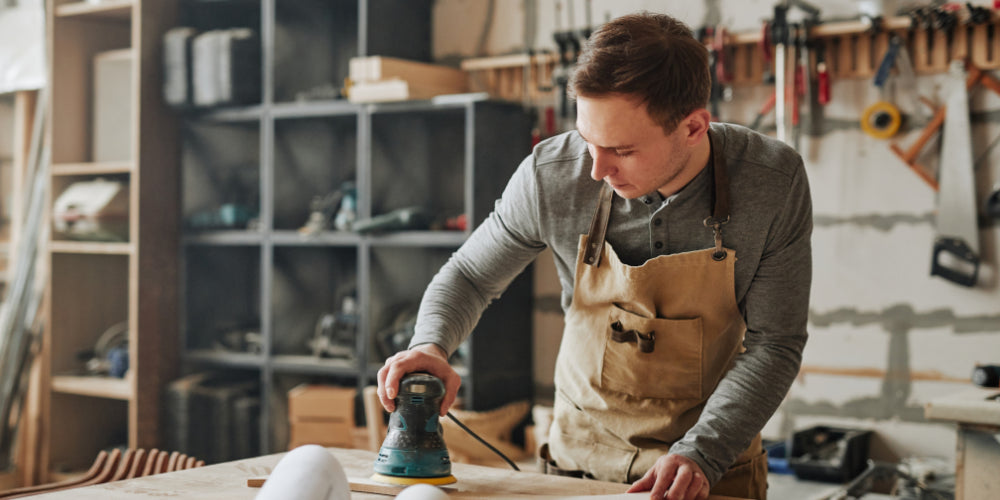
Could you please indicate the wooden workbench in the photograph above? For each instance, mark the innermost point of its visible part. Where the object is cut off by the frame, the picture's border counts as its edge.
(228, 481)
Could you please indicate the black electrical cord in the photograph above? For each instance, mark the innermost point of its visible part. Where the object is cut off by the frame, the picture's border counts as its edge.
(481, 440)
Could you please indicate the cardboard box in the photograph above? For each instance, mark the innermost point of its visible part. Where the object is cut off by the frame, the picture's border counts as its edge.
(322, 432)
(324, 402)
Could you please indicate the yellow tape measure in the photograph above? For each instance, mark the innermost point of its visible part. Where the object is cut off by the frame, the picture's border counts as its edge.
(881, 120)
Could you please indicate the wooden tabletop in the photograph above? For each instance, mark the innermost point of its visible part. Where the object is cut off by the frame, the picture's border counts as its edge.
(228, 481)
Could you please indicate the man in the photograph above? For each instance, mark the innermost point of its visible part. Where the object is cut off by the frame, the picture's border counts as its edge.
(685, 295)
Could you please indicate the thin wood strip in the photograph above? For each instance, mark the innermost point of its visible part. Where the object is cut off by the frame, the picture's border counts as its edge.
(150, 462)
(138, 463)
(94, 471)
(959, 44)
(863, 64)
(109, 468)
(161, 463)
(171, 461)
(126, 464)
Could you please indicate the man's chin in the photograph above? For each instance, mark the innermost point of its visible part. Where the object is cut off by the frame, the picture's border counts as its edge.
(626, 191)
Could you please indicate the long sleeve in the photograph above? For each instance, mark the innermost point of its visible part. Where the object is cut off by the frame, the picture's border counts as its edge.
(483, 267)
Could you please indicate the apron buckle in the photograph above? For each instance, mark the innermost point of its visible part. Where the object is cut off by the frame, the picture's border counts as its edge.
(716, 225)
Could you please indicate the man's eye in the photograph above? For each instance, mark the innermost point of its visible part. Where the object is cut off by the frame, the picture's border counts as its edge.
(622, 153)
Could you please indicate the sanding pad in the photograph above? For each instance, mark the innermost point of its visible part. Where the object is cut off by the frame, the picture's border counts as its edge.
(406, 481)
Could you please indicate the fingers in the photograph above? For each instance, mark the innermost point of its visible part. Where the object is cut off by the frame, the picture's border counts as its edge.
(679, 489)
(673, 477)
(645, 483)
(704, 491)
(388, 403)
(451, 385)
(427, 358)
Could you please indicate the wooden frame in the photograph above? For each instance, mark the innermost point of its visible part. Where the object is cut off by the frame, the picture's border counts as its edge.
(93, 285)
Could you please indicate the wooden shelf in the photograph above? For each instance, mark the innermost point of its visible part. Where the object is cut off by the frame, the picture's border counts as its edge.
(419, 238)
(117, 10)
(100, 387)
(312, 364)
(222, 358)
(314, 108)
(325, 238)
(98, 168)
(230, 114)
(91, 247)
(236, 237)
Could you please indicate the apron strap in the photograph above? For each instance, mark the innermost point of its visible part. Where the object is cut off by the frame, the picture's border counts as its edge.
(599, 227)
(720, 213)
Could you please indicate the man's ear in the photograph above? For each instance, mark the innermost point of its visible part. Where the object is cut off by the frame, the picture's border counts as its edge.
(696, 125)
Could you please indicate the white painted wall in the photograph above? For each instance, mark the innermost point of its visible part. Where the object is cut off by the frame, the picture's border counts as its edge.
(885, 337)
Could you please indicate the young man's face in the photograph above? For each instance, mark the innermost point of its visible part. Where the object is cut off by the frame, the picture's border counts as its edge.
(629, 151)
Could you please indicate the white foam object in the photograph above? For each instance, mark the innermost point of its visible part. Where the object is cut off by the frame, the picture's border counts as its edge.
(308, 472)
(422, 492)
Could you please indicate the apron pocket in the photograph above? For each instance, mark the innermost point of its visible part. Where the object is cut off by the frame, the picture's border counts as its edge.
(652, 357)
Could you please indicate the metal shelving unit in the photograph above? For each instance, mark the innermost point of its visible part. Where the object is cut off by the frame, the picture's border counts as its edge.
(452, 156)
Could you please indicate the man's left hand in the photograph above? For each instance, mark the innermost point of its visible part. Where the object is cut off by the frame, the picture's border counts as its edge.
(673, 477)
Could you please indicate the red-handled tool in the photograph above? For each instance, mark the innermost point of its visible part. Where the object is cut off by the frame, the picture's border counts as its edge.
(764, 110)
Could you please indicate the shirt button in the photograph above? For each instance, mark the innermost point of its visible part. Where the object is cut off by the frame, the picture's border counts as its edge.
(647, 200)
(657, 222)
(658, 245)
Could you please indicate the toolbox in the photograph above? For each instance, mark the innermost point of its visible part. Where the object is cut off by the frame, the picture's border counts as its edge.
(829, 454)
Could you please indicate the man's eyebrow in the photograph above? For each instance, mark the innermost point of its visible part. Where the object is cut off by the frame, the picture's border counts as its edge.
(623, 146)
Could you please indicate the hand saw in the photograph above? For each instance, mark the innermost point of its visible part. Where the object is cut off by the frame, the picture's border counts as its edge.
(956, 245)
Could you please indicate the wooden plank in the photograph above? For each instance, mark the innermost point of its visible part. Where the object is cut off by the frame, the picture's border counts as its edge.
(377, 68)
(155, 227)
(230, 480)
(362, 485)
(118, 10)
(92, 168)
(91, 247)
(102, 387)
(34, 421)
(25, 104)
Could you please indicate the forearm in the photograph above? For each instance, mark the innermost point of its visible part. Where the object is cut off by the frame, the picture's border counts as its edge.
(740, 407)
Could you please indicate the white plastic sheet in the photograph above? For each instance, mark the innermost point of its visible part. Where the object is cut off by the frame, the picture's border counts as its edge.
(22, 46)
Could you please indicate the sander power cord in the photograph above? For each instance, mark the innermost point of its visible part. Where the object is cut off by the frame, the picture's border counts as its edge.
(481, 440)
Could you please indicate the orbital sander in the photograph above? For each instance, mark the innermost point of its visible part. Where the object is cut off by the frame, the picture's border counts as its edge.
(414, 450)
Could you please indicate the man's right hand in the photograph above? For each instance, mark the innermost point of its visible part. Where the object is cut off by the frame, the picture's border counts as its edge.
(422, 358)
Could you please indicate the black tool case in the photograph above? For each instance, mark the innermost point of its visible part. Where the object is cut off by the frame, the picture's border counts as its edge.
(829, 454)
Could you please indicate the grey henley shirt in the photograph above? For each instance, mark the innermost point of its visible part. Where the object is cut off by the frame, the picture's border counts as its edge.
(549, 202)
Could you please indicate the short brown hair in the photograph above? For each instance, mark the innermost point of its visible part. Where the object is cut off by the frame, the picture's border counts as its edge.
(653, 57)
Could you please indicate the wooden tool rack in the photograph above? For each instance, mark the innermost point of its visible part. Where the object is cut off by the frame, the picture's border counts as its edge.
(851, 49)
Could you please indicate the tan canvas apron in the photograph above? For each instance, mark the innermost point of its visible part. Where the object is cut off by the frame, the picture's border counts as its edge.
(644, 347)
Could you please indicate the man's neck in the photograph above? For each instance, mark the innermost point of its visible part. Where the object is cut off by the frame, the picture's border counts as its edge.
(700, 155)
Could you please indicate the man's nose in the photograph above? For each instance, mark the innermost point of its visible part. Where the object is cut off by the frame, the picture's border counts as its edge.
(603, 164)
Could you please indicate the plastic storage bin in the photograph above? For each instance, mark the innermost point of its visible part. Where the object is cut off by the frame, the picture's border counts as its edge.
(829, 454)
(777, 457)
